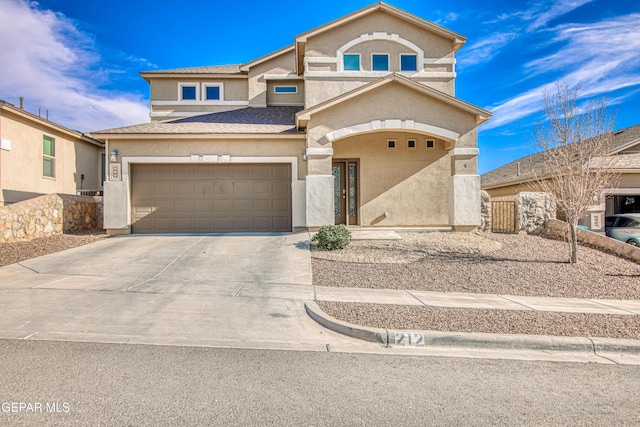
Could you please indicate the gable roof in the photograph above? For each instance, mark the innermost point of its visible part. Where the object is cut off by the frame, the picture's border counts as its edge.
(8, 107)
(457, 39)
(482, 115)
(214, 71)
(245, 67)
(524, 169)
(269, 120)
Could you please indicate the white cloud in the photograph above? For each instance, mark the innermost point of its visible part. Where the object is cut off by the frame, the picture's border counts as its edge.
(484, 50)
(557, 9)
(54, 66)
(601, 58)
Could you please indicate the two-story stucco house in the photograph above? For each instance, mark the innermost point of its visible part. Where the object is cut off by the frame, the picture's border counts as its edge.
(356, 123)
(38, 156)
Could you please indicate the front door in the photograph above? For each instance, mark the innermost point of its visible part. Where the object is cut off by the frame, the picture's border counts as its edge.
(345, 191)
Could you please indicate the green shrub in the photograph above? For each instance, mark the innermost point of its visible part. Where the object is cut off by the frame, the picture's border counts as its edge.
(331, 237)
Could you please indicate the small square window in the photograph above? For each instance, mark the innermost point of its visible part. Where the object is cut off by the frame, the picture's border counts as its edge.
(351, 62)
(391, 143)
(188, 93)
(285, 89)
(408, 62)
(411, 143)
(212, 93)
(380, 62)
(431, 143)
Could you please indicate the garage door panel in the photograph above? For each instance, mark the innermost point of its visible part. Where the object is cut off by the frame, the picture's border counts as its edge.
(241, 188)
(208, 198)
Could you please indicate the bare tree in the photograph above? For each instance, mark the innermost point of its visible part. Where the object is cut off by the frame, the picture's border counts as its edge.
(577, 165)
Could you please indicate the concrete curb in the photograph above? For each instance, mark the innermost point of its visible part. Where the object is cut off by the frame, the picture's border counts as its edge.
(405, 338)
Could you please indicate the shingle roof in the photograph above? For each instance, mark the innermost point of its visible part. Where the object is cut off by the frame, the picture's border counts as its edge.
(526, 166)
(216, 69)
(268, 120)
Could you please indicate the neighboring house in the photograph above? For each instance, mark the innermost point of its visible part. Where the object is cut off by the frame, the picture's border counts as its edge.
(356, 123)
(508, 180)
(39, 157)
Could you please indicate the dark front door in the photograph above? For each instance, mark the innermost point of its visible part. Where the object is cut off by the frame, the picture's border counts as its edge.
(345, 191)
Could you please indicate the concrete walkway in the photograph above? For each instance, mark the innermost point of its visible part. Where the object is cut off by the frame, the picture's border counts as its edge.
(480, 301)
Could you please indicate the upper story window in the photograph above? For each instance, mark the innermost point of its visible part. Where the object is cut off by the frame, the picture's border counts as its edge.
(285, 89)
(408, 62)
(212, 92)
(188, 91)
(48, 156)
(380, 62)
(351, 61)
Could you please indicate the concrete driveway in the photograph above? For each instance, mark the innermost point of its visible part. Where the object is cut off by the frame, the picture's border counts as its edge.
(220, 290)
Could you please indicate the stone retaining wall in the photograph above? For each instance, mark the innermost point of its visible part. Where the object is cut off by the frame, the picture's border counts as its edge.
(485, 211)
(533, 210)
(48, 215)
(560, 229)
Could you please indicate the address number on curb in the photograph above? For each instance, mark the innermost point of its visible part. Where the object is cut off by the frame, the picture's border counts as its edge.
(409, 339)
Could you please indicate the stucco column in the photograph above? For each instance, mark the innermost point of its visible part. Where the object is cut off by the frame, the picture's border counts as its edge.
(319, 179)
(116, 207)
(464, 189)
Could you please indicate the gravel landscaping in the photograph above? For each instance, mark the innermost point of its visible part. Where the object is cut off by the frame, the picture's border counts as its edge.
(11, 253)
(507, 264)
(489, 263)
(488, 321)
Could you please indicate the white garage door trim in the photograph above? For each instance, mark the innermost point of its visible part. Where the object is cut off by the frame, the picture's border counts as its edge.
(298, 188)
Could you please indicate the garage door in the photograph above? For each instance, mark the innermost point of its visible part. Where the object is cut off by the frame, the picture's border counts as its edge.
(190, 198)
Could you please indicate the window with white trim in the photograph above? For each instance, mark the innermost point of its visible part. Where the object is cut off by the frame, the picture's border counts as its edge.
(431, 143)
(408, 62)
(411, 143)
(188, 91)
(379, 62)
(351, 61)
(48, 156)
(391, 143)
(212, 91)
(288, 89)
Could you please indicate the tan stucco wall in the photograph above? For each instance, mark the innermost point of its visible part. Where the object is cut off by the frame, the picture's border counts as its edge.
(285, 98)
(326, 44)
(393, 101)
(232, 147)
(282, 64)
(21, 167)
(410, 185)
(629, 180)
(167, 89)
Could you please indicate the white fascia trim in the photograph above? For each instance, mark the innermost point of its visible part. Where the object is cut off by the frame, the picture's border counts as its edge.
(320, 152)
(179, 114)
(282, 77)
(320, 60)
(439, 60)
(191, 102)
(393, 124)
(378, 36)
(624, 191)
(376, 74)
(465, 152)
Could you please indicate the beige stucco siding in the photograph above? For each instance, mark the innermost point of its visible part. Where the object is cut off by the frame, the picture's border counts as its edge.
(410, 185)
(282, 64)
(233, 147)
(21, 168)
(629, 180)
(393, 101)
(167, 89)
(326, 44)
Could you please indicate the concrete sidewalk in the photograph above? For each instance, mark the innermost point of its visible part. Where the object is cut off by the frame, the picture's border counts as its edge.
(478, 301)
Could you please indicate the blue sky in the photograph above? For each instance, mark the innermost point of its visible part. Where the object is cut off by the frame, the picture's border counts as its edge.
(80, 59)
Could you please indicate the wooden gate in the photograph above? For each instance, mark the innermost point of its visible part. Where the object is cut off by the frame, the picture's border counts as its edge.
(503, 217)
